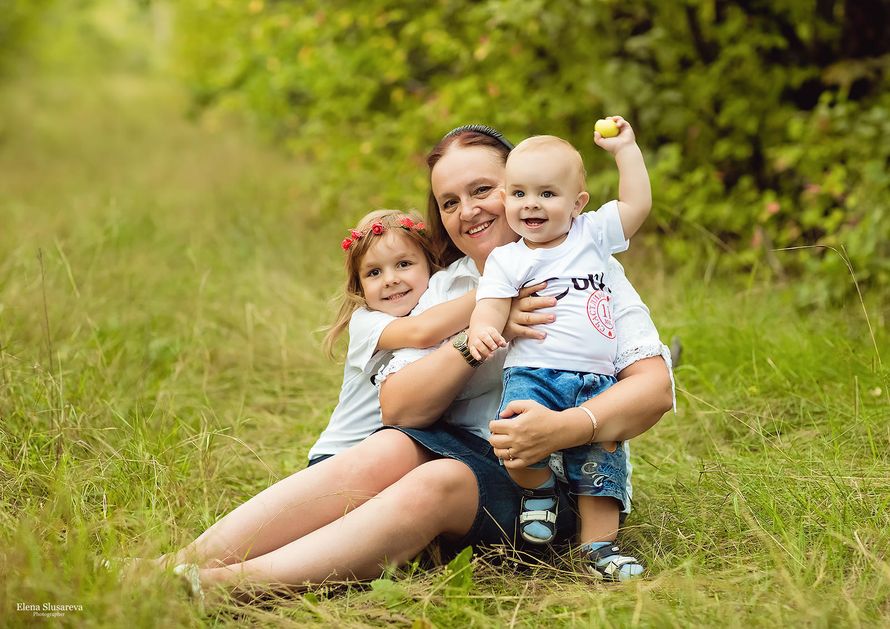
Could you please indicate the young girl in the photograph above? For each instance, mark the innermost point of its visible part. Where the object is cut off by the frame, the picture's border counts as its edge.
(389, 259)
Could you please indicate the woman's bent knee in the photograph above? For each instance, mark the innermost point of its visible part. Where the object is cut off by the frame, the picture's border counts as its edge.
(443, 494)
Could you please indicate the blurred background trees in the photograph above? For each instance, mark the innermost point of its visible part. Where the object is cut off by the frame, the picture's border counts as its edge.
(765, 124)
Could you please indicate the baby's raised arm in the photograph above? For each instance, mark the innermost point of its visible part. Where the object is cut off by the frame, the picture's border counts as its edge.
(634, 189)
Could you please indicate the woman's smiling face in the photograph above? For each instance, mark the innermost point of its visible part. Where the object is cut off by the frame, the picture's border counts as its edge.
(467, 183)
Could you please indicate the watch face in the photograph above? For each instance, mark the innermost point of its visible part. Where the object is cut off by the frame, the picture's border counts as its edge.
(460, 341)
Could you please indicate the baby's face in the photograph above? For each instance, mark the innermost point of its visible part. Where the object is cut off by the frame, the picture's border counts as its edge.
(542, 195)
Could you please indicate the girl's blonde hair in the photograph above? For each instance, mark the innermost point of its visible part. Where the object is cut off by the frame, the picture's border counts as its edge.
(409, 225)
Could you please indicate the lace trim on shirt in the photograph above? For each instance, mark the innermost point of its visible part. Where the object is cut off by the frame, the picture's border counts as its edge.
(393, 366)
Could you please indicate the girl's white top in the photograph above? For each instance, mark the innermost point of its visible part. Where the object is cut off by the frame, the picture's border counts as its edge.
(478, 403)
(357, 413)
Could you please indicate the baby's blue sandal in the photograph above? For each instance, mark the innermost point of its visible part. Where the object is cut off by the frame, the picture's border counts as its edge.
(537, 516)
(604, 561)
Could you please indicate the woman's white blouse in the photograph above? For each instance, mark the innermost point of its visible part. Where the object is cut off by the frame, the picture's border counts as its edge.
(478, 403)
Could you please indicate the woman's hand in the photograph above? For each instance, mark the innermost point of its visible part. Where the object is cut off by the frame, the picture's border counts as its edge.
(625, 410)
(523, 314)
(532, 432)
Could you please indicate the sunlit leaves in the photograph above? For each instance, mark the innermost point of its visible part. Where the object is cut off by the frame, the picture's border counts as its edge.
(748, 105)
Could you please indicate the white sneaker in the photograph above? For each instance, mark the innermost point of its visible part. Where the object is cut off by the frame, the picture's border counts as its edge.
(191, 576)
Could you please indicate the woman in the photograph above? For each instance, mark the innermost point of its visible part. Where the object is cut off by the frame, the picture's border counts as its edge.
(321, 522)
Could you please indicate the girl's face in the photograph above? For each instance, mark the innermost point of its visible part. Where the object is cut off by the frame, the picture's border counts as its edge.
(467, 183)
(394, 273)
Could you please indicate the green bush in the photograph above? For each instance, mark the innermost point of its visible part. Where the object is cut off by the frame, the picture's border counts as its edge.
(765, 124)
(18, 21)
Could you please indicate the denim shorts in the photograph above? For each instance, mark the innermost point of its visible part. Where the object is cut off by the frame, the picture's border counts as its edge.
(499, 497)
(589, 470)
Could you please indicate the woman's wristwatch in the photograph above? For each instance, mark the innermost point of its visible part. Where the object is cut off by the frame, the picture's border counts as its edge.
(461, 344)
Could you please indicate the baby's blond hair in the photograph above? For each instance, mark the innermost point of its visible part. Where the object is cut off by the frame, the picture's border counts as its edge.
(551, 142)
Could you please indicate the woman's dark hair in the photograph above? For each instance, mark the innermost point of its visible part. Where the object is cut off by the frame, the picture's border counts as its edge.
(467, 135)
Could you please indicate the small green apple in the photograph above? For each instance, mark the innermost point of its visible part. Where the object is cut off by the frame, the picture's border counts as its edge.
(606, 127)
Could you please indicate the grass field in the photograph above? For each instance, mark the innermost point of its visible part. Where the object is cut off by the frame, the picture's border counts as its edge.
(160, 282)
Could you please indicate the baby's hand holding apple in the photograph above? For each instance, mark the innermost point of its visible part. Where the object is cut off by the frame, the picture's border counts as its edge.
(613, 133)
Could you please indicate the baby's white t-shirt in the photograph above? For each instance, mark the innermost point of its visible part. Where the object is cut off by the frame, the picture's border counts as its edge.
(357, 413)
(583, 336)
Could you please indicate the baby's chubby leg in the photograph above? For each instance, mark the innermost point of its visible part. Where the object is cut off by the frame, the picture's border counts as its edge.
(599, 527)
(599, 519)
(530, 477)
(537, 518)
(548, 387)
(598, 476)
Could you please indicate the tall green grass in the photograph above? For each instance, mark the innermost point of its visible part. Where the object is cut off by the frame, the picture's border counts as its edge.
(160, 282)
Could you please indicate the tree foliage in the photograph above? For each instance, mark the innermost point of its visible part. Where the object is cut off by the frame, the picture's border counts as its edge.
(765, 124)
(18, 21)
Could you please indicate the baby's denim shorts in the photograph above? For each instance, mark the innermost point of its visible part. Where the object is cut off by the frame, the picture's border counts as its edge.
(589, 470)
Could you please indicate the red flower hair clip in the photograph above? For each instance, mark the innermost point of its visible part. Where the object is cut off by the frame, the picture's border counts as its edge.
(354, 235)
(409, 224)
(378, 228)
